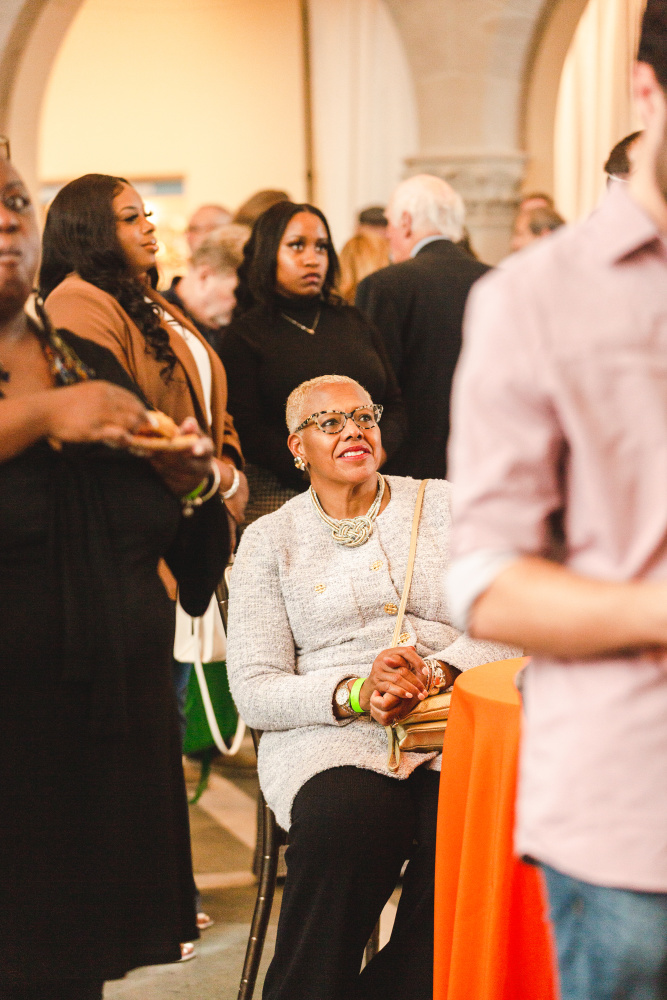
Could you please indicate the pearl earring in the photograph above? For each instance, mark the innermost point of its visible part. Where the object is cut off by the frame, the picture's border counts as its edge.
(300, 464)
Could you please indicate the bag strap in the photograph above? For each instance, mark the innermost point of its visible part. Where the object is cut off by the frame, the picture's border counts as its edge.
(208, 705)
(411, 561)
(394, 755)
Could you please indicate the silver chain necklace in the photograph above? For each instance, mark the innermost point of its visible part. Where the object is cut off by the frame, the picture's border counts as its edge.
(351, 531)
(301, 326)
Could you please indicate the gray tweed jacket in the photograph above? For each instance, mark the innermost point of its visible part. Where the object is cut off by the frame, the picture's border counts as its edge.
(304, 613)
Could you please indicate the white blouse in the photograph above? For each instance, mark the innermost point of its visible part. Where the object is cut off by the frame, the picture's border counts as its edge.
(199, 353)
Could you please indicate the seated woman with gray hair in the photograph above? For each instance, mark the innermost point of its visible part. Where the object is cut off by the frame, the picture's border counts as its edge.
(315, 590)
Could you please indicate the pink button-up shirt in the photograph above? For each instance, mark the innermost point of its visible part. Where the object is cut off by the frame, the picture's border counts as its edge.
(560, 404)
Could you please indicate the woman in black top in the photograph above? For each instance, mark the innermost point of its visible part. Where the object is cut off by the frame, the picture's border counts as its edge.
(290, 326)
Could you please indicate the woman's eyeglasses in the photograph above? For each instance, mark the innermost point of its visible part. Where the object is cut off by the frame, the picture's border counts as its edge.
(333, 421)
(4, 147)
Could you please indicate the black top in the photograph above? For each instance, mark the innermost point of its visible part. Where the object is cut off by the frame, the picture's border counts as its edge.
(212, 335)
(265, 359)
(94, 837)
(418, 306)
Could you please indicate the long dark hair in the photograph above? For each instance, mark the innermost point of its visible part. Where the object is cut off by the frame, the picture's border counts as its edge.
(257, 273)
(80, 235)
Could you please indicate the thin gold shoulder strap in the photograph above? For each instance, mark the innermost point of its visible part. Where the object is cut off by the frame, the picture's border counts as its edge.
(411, 561)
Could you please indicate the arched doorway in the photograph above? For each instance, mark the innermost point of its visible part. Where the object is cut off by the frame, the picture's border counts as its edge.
(100, 84)
(551, 42)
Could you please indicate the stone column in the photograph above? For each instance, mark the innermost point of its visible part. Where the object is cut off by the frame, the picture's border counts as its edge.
(470, 62)
(489, 184)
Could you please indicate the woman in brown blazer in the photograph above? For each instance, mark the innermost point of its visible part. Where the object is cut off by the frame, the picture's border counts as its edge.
(98, 248)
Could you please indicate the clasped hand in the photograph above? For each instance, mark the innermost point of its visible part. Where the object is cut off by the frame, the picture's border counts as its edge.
(395, 685)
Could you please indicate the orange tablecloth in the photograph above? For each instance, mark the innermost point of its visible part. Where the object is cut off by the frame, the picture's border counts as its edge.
(491, 939)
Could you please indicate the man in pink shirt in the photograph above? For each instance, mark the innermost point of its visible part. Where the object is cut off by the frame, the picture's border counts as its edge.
(559, 464)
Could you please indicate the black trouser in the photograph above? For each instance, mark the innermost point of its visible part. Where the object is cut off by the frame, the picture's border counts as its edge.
(351, 831)
(72, 989)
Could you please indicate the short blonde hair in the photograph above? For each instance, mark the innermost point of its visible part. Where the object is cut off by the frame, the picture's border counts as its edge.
(296, 401)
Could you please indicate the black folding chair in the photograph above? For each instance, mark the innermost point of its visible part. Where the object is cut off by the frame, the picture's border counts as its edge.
(271, 837)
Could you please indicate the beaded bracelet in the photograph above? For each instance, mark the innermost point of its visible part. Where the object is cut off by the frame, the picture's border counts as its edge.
(189, 502)
(436, 676)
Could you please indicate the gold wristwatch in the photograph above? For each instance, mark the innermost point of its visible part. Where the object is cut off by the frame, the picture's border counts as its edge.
(342, 696)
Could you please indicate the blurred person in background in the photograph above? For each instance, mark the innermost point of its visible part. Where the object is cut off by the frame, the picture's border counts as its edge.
(466, 243)
(535, 199)
(250, 210)
(95, 867)
(205, 294)
(290, 325)
(372, 221)
(203, 222)
(417, 304)
(362, 255)
(620, 163)
(534, 225)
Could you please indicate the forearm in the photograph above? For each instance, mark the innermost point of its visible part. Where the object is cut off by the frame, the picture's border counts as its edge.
(545, 608)
(23, 422)
(269, 698)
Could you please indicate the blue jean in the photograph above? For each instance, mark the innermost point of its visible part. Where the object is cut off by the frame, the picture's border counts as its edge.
(611, 943)
(180, 675)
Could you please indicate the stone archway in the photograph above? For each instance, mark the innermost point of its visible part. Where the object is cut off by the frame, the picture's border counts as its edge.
(486, 77)
(552, 40)
(487, 120)
(31, 33)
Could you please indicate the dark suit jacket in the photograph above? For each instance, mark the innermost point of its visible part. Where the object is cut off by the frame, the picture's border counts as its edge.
(418, 307)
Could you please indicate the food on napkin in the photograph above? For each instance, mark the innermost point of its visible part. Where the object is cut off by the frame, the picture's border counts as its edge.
(161, 434)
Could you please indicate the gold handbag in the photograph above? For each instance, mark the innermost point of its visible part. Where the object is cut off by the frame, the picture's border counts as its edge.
(424, 729)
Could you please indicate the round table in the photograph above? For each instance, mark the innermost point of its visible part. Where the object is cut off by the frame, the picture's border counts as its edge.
(492, 941)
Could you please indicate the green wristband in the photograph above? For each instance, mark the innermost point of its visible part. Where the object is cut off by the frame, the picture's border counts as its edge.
(354, 695)
(196, 491)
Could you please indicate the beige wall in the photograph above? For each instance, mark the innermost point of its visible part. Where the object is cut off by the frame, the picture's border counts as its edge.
(209, 89)
(485, 72)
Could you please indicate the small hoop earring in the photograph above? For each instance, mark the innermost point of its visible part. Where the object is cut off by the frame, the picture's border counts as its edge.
(300, 464)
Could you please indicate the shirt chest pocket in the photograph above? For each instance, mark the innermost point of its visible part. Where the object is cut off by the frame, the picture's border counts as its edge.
(322, 608)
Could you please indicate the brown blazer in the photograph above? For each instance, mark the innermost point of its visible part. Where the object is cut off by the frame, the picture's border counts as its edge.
(81, 307)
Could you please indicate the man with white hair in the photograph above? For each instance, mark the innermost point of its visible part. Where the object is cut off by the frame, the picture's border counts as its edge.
(417, 303)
